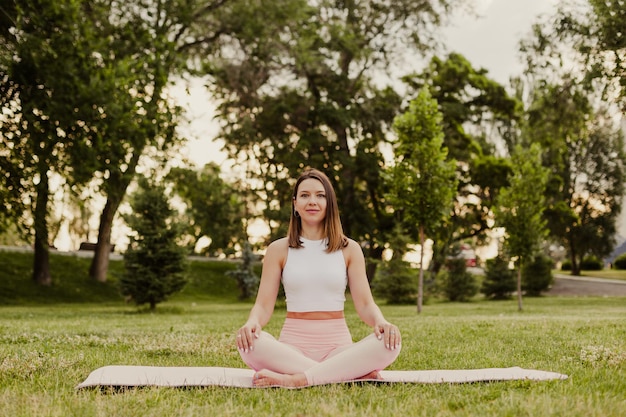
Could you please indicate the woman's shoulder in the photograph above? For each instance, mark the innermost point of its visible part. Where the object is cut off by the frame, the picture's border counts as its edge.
(279, 245)
(352, 246)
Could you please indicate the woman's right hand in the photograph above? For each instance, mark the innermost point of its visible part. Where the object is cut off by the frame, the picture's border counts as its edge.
(246, 335)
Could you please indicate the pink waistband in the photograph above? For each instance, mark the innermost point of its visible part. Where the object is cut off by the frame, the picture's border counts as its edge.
(316, 338)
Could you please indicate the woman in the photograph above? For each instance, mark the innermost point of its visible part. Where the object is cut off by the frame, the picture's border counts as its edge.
(315, 262)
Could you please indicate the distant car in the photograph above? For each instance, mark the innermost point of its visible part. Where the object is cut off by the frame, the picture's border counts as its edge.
(468, 253)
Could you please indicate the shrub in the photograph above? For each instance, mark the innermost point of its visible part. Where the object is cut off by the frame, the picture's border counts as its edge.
(456, 283)
(154, 263)
(537, 275)
(397, 282)
(591, 263)
(500, 281)
(620, 262)
(566, 265)
(247, 280)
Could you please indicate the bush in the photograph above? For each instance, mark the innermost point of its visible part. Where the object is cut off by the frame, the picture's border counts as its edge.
(566, 265)
(591, 263)
(456, 283)
(397, 282)
(620, 262)
(154, 263)
(247, 280)
(500, 281)
(537, 275)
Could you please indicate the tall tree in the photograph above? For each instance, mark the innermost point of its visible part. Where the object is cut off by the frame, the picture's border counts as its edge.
(520, 208)
(480, 120)
(575, 81)
(587, 40)
(46, 100)
(585, 154)
(306, 87)
(423, 181)
(141, 55)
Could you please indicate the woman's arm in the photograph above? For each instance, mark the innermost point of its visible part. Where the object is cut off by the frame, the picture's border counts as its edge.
(364, 303)
(263, 308)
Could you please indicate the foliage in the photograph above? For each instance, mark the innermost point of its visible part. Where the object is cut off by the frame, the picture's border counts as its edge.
(396, 282)
(422, 182)
(566, 265)
(591, 263)
(499, 282)
(620, 262)
(83, 95)
(520, 208)
(154, 263)
(45, 96)
(247, 280)
(455, 282)
(575, 66)
(589, 37)
(214, 208)
(537, 275)
(304, 91)
(584, 153)
(479, 124)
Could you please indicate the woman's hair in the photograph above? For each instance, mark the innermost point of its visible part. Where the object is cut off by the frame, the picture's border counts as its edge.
(332, 223)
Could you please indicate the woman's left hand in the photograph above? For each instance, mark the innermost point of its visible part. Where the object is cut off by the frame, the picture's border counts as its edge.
(390, 334)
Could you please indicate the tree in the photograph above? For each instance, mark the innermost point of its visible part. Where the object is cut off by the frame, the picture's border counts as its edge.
(140, 56)
(46, 98)
(586, 39)
(304, 90)
(500, 280)
(520, 208)
(215, 208)
(584, 152)
(422, 181)
(480, 122)
(154, 263)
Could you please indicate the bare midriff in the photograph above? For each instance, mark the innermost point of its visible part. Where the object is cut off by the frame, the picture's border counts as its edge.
(315, 315)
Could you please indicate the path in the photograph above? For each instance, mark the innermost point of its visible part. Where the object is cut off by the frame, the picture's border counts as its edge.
(570, 285)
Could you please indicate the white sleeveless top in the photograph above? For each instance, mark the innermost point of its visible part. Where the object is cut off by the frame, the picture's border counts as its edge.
(313, 279)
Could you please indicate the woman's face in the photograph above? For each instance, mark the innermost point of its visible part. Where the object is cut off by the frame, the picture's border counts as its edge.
(310, 201)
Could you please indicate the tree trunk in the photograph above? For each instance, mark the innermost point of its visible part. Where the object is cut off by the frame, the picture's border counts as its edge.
(519, 287)
(420, 284)
(118, 184)
(575, 267)
(375, 253)
(100, 262)
(41, 261)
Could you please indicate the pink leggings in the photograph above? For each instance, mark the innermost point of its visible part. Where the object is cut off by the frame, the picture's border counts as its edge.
(321, 349)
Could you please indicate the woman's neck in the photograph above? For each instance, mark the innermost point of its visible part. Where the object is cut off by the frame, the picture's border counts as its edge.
(312, 233)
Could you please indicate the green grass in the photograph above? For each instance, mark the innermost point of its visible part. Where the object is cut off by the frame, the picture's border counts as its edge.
(48, 347)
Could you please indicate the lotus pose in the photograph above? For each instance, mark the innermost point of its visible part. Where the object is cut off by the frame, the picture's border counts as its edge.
(316, 262)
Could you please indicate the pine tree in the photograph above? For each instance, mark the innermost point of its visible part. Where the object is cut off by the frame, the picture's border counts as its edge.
(154, 263)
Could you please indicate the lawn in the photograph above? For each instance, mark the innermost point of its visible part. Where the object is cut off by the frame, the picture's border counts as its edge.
(48, 346)
(45, 351)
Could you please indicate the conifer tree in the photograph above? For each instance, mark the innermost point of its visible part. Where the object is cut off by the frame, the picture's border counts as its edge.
(154, 263)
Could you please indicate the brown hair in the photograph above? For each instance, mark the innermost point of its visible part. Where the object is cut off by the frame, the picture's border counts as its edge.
(332, 223)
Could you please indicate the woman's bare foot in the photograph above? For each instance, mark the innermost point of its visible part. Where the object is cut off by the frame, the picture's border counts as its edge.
(372, 375)
(265, 378)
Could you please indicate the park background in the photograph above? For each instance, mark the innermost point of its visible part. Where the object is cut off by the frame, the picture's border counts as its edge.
(61, 318)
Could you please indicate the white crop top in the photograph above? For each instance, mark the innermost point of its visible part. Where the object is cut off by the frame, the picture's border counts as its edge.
(313, 279)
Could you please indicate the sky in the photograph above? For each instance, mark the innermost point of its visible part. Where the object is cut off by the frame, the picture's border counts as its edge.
(489, 41)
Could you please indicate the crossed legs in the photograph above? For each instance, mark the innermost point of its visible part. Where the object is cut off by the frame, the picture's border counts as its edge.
(279, 364)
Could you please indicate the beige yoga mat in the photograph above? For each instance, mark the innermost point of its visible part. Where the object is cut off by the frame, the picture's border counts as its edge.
(139, 376)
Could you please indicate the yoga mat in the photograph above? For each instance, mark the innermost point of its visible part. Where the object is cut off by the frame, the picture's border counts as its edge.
(170, 376)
